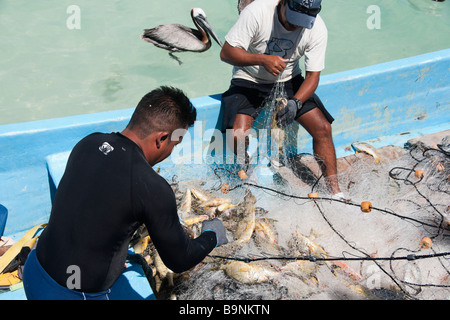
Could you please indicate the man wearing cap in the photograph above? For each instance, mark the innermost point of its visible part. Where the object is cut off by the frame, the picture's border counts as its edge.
(264, 46)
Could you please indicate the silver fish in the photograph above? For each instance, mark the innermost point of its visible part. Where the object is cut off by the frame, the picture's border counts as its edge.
(366, 148)
(301, 244)
(246, 226)
(248, 273)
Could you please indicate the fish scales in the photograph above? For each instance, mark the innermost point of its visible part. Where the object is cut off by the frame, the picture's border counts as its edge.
(305, 245)
(301, 268)
(248, 273)
(366, 148)
(264, 226)
(246, 226)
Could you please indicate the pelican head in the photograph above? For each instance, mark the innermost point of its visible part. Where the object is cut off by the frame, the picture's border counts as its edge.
(199, 17)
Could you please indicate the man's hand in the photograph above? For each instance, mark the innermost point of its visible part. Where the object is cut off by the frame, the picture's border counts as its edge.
(239, 57)
(287, 115)
(216, 226)
(274, 64)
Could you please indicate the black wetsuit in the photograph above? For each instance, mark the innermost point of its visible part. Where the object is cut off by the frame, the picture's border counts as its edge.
(108, 190)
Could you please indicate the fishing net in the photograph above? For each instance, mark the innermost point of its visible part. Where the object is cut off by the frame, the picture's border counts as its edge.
(390, 240)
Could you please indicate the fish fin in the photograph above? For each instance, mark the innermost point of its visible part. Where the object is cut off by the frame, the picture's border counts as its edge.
(378, 159)
(313, 234)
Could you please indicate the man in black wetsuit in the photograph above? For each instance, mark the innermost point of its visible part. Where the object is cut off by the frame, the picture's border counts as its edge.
(108, 190)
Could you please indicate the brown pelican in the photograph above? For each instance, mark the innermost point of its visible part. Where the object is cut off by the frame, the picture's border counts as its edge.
(179, 38)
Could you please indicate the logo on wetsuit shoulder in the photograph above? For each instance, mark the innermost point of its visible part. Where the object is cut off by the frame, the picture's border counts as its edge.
(106, 148)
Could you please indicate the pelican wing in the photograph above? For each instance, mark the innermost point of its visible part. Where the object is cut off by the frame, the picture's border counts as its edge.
(175, 37)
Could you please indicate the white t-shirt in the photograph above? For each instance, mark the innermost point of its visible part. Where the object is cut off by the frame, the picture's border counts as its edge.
(258, 30)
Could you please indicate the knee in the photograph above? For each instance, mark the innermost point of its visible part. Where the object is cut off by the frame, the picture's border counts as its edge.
(322, 130)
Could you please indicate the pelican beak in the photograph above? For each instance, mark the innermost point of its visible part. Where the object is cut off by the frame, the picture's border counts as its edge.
(204, 23)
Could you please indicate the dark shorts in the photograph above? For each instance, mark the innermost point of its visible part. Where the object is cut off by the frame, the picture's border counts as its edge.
(246, 97)
(39, 285)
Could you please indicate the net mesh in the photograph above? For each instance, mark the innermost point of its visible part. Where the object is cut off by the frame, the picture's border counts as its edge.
(323, 248)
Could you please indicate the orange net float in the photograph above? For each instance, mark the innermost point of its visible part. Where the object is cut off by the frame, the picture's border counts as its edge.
(366, 206)
(225, 188)
(242, 175)
(426, 243)
(419, 173)
(313, 195)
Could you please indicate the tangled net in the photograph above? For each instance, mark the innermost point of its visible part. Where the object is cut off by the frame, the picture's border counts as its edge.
(391, 240)
(398, 250)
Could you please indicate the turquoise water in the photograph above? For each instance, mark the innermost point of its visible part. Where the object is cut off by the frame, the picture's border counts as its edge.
(48, 70)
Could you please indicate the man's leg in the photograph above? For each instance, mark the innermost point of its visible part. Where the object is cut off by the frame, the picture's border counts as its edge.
(239, 143)
(320, 129)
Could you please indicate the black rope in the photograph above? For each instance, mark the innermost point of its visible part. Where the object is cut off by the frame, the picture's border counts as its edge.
(410, 257)
(395, 173)
(337, 200)
(407, 181)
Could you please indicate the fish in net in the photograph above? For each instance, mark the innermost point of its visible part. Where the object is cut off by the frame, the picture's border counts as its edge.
(390, 241)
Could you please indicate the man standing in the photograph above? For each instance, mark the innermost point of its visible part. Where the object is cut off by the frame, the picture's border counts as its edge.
(108, 190)
(264, 46)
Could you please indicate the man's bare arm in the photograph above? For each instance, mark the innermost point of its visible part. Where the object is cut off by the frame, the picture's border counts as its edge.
(308, 86)
(239, 57)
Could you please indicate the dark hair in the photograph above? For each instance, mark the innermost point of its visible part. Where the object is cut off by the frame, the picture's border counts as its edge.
(163, 109)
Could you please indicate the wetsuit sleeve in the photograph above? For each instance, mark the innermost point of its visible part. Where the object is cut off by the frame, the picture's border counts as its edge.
(157, 206)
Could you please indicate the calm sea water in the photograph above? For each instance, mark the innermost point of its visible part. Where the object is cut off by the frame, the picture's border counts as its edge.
(49, 70)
